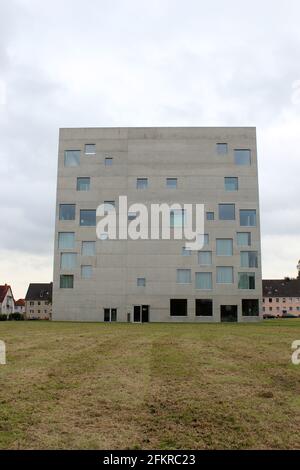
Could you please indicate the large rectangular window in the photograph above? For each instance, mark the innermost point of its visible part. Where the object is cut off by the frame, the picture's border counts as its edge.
(184, 276)
(250, 307)
(246, 280)
(90, 149)
(205, 258)
(249, 259)
(88, 248)
(66, 281)
(171, 183)
(231, 184)
(83, 184)
(67, 212)
(204, 307)
(224, 275)
(72, 157)
(203, 281)
(66, 240)
(248, 217)
(86, 271)
(68, 260)
(227, 211)
(142, 183)
(222, 149)
(224, 247)
(242, 157)
(87, 218)
(178, 307)
(244, 239)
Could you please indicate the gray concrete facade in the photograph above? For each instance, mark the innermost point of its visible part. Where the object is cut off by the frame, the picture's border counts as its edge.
(193, 156)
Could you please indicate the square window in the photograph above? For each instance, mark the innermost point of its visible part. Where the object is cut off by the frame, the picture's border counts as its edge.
(210, 216)
(250, 308)
(178, 307)
(68, 260)
(88, 249)
(205, 258)
(72, 158)
(66, 281)
(224, 246)
(142, 183)
(249, 259)
(66, 240)
(222, 149)
(246, 281)
(132, 215)
(248, 218)
(204, 307)
(242, 157)
(83, 184)
(186, 252)
(203, 281)
(67, 212)
(141, 281)
(171, 183)
(184, 276)
(86, 271)
(88, 218)
(225, 275)
(244, 239)
(231, 183)
(177, 218)
(90, 149)
(227, 211)
(108, 161)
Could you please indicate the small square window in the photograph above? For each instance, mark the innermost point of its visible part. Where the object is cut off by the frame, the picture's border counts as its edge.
(141, 281)
(225, 275)
(108, 161)
(186, 252)
(83, 184)
(177, 218)
(90, 149)
(72, 158)
(178, 307)
(231, 183)
(86, 271)
(203, 281)
(242, 157)
(88, 218)
(244, 239)
(227, 211)
(249, 259)
(142, 183)
(224, 246)
(66, 281)
(248, 218)
(210, 216)
(66, 240)
(222, 149)
(68, 260)
(67, 212)
(88, 248)
(204, 307)
(171, 183)
(132, 215)
(250, 308)
(246, 281)
(184, 276)
(205, 258)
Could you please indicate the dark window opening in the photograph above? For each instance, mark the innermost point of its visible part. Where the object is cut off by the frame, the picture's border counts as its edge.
(204, 307)
(250, 307)
(178, 307)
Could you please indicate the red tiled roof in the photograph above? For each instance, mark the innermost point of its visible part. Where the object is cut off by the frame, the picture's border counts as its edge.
(20, 303)
(3, 292)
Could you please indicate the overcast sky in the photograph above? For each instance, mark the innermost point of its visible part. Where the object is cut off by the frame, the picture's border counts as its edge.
(67, 63)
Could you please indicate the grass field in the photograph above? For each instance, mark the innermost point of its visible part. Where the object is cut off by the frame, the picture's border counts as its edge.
(154, 386)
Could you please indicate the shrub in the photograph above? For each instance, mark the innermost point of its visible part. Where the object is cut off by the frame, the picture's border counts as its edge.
(3, 317)
(16, 316)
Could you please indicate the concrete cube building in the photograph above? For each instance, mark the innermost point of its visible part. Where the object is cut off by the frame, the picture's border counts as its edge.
(100, 279)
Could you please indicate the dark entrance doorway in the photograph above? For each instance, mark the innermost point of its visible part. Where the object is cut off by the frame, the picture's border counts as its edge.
(229, 313)
(141, 313)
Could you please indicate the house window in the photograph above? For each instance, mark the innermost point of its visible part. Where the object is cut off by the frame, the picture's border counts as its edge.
(250, 307)
(108, 161)
(222, 149)
(66, 281)
(248, 218)
(204, 307)
(249, 259)
(132, 215)
(68, 260)
(90, 149)
(66, 240)
(88, 218)
(171, 183)
(177, 218)
(184, 276)
(224, 246)
(178, 307)
(226, 211)
(242, 157)
(83, 184)
(225, 275)
(231, 184)
(141, 282)
(67, 212)
(186, 252)
(72, 157)
(244, 239)
(86, 271)
(203, 281)
(88, 248)
(31, 303)
(205, 258)
(210, 216)
(246, 281)
(206, 239)
(142, 183)
(277, 300)
(110, 314)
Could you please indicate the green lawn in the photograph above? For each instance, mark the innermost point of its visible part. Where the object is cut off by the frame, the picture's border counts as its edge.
(162, 386)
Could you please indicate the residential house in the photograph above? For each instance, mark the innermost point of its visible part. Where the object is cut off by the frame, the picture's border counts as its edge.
(38, 302)
(7, 302)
